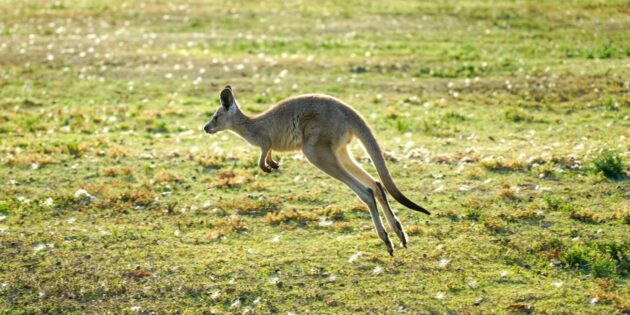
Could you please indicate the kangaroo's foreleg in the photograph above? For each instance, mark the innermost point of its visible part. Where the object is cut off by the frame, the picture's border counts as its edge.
(324, 158)
(273, 164)
(262, 160)
(345, 156)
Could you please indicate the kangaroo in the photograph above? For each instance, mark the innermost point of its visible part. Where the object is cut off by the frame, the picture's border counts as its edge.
(322, 127)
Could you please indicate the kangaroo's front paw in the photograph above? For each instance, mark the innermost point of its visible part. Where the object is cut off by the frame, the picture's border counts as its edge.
(265, 169)
(273, 164)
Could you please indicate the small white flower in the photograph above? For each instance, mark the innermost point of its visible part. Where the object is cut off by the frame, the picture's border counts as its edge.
(275, 239)
(439, 295)
(136, 308)
(593, 301)
(215, 295)
(377, 270)
(504, 274)
(557, 284)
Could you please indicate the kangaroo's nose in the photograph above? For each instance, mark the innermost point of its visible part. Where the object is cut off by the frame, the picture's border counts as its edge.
(206, 128)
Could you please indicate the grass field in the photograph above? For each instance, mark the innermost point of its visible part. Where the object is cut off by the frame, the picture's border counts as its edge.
(509, 120)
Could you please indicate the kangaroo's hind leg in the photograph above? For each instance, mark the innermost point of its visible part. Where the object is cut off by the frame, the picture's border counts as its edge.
(345, 156)
(322, 157)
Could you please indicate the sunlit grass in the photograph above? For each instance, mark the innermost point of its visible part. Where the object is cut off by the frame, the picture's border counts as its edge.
(508, 120)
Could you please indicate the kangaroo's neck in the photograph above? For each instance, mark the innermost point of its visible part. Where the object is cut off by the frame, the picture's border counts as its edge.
(248, 128)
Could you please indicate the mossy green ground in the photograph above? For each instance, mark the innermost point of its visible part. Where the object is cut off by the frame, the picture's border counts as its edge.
(490, 113)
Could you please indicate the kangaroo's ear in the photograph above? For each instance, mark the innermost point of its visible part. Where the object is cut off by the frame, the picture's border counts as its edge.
(227, 99)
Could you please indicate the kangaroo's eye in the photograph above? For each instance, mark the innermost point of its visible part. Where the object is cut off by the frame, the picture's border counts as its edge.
(214, 118)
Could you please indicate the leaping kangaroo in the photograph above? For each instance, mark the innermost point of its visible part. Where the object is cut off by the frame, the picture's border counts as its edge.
(322, 126)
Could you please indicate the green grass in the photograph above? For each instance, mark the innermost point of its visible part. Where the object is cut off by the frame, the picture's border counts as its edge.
(508, 120)
(610, 164)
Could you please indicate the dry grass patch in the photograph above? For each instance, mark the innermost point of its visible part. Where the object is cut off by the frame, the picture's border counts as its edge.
(210, 161)
(231, 178)
(223, 227)
(117, 171)
(415, 230)
(517, 215)
(359, 207)
(132, 198)
(448, 213)
(582, 215)
(342, 227)
(259, 186)
(501, 165)
(507, 192)
(167, 177)
(495, 225)
(291, 216)
(30, 159)
(333, 213)
(475, 172)
(456, 157)
(247, 206)
(116, 153)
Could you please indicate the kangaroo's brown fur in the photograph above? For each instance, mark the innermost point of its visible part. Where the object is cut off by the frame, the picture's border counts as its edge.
(322, 127)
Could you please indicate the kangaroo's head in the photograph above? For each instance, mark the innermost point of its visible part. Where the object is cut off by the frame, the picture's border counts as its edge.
(226, 115)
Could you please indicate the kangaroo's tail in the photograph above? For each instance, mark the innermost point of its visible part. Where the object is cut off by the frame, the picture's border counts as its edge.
(365, 135)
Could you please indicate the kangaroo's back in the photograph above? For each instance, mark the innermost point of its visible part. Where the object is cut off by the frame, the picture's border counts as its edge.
(291, 121)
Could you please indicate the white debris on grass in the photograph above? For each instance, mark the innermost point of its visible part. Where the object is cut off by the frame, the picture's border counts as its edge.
(325, 223)
(236, 304)
(443, 262)
(84, 196)
(42, 246)
(275, 239)
(377, 270)
(49, 202)
(439, 295)
(355, 256)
